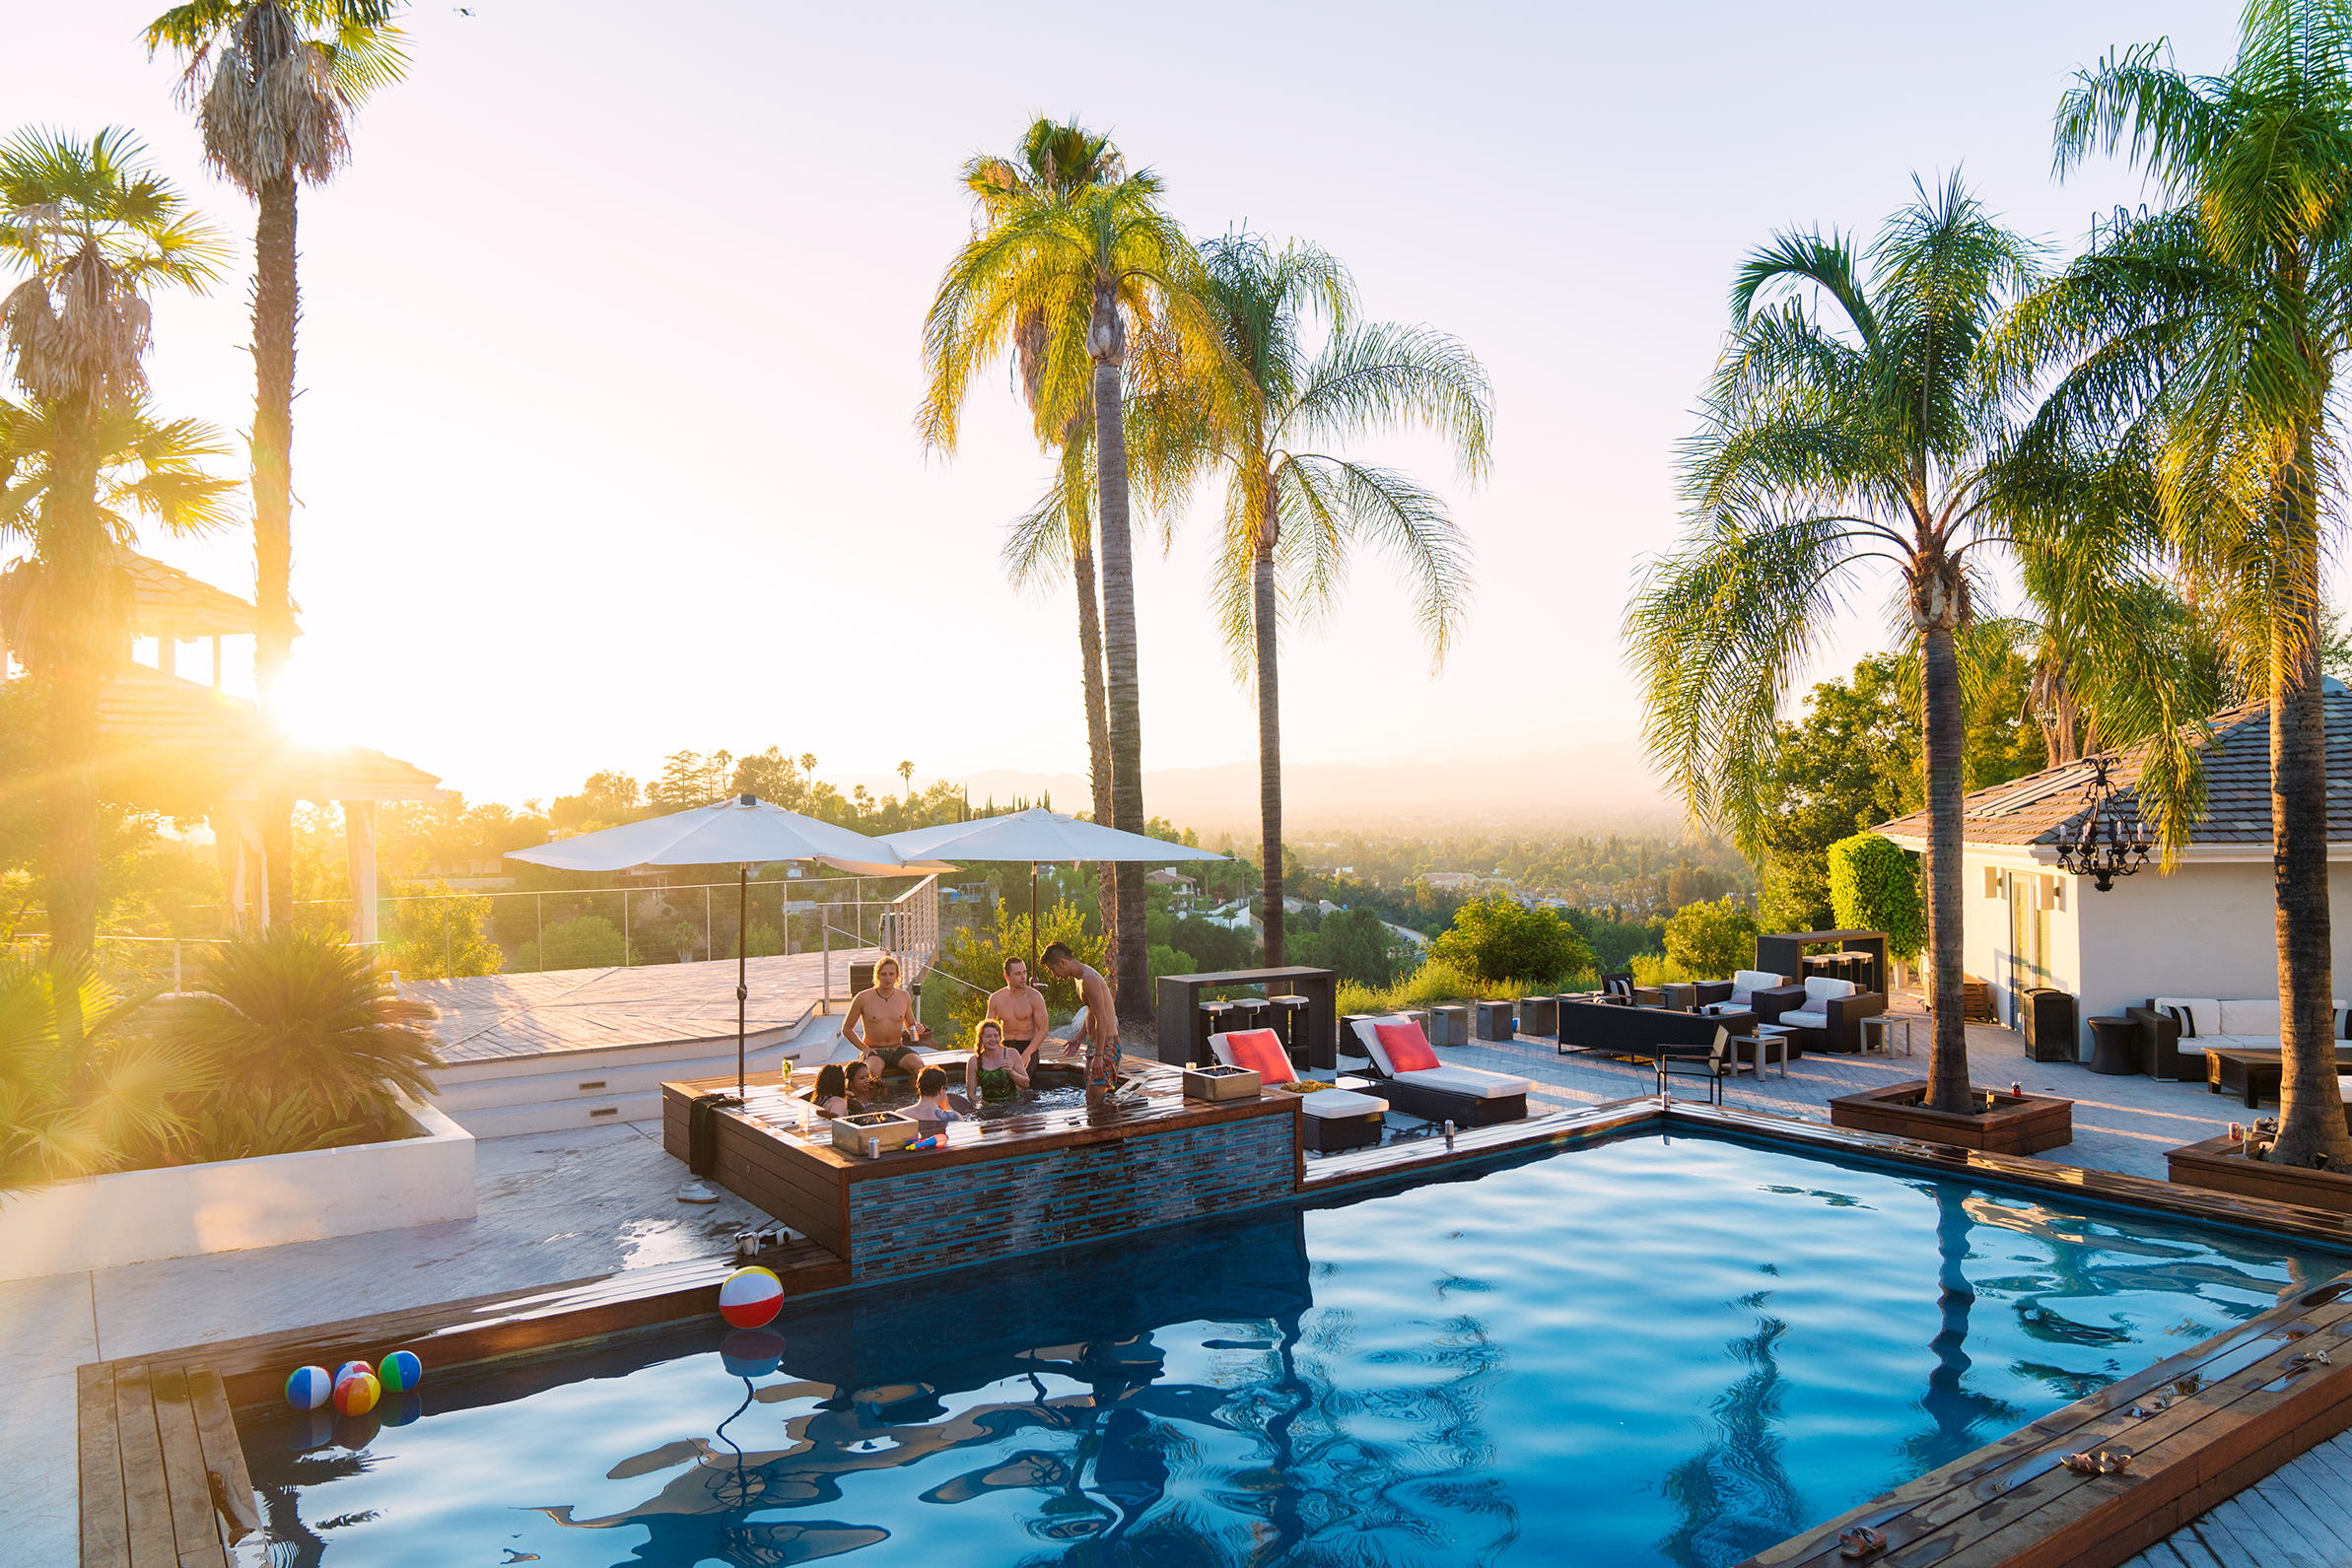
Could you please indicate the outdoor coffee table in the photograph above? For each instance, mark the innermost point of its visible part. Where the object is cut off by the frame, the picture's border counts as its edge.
(1765, 1046)
(2254, 1074)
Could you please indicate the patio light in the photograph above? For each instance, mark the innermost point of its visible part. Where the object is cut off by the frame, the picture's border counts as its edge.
(2111, 845)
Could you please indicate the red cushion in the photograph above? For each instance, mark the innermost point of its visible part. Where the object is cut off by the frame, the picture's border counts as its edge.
(1409, 1049)
(1260, 1049)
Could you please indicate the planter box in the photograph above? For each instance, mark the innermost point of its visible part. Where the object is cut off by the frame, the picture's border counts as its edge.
(2018, 1124)
(183, 1210)
(2217, 1165)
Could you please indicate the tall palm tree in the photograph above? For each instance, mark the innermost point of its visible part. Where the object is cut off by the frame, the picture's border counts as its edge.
(1052, 163)
(1116, 285)
(273, 84)
(1864, 427)
(2209, 335)
(1297, 510)
(94, 229)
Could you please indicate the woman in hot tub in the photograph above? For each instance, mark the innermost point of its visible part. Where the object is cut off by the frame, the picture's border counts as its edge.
(992, 1072)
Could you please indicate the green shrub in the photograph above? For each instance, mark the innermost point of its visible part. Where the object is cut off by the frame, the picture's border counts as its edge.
(765, 943)
(1355, 943)
(1652, 969)
(439, 939)
(1710, 941)
(587, 941)
(1165, 960)
(1497, 938)
(1873, 887)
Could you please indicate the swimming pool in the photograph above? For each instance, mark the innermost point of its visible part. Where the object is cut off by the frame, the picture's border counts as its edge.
(1646, 1350)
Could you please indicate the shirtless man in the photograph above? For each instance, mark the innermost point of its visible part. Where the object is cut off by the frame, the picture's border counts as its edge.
(1020, 1009)
(1102, 1020)
(890, 1027)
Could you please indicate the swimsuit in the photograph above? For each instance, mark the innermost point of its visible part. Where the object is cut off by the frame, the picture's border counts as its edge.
(996, 1083)
(892, 1055)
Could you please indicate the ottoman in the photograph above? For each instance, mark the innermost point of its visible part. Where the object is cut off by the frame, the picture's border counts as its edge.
(1341, 1119)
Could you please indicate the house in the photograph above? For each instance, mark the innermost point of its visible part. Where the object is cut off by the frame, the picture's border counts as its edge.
(2205, 929)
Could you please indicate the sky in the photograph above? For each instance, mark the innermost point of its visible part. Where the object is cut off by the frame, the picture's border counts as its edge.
(610, 346)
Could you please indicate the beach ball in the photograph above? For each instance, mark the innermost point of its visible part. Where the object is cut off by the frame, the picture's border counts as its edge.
(751, 1352)
(751, 1297)
(351, 1369)
(399, 1372)
(398, 1409)
(308, 1388)
(357, 1395)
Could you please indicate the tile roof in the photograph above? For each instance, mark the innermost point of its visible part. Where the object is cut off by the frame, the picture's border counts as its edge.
(2046, 807)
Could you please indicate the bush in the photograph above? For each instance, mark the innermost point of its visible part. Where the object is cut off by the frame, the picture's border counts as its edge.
(975, 955)
(440, 938)
(1710, 941)
(1498, 939)
(1356, 944)
(1873, 887)
(765, 943)
(587, 941)
(1215, 948)
(1165, 960)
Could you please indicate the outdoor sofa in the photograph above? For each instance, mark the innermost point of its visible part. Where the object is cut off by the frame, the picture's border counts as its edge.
(2175, 1032)
(1832, 1018)
(1336, 1119)
(1465, 1096)
(1766, 996)
(1647, 1033)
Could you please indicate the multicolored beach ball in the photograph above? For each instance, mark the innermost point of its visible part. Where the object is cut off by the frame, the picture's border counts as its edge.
(751, 1297)
(352, 1369)
(308, 1388)
(399, 1372)
(357, 1395)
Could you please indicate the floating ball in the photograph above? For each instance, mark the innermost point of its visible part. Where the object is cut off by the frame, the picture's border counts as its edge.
(751, 1352)
(751, 1297)
(308, 1388)
(357, 1395)
(398, 1409)
(399, 1372)
(353, 1369)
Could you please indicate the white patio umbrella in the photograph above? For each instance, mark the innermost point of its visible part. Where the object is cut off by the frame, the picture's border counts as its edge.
(1038, 835)
(746, 832)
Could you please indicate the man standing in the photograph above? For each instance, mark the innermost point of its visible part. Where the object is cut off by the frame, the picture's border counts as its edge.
(1020, 1011)
(890, 1025)
(1102, 1019)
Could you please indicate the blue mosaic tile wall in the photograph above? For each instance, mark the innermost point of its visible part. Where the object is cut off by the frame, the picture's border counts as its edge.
(967, 1213)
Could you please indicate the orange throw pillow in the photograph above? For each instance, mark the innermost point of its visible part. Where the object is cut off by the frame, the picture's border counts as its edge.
(1407, 1048)
(1260, 1049)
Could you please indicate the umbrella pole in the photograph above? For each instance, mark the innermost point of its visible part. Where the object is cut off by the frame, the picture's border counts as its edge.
(1032, 922)
(742, 953)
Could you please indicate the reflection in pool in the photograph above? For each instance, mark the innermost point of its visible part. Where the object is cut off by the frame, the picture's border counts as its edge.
(1646, 1352)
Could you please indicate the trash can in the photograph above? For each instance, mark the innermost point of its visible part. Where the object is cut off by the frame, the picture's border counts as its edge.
(1450, 1026)
(1494, 1020)
(861, 977)
(2045, 1016)
(1539, 1015)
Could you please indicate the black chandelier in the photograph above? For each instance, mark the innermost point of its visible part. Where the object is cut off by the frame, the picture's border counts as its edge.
(2111, 843)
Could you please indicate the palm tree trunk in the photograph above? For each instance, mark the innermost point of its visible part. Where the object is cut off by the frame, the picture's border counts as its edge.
(1098, 724)
(1106, 336)
(2310, 1108)
(1940, 723)
(1270, 733)
(276, 308)
(74, 567)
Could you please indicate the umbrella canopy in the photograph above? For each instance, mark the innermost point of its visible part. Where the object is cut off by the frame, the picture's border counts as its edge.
(1037, 835)
(743, 831)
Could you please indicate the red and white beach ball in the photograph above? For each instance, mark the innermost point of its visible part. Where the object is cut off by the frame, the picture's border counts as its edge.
(751, 1297)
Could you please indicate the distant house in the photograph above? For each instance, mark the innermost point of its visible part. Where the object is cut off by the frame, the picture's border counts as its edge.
(2205, 929)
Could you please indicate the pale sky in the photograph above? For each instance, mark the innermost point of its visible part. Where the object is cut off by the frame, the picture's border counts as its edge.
(609, 353)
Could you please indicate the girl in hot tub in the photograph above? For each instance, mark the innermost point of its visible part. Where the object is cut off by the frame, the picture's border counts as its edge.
(993, 1072)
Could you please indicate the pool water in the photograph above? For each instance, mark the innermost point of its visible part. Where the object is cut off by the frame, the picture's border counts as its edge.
(1642, 1351)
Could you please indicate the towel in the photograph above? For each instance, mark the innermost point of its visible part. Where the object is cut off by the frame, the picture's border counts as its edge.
(702, 1131)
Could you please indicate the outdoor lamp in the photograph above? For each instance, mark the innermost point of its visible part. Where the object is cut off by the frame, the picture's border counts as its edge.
(2109, 845)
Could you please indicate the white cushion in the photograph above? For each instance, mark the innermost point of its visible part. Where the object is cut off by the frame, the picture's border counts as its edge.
(1805, 1020)
(2344, 1085)
(1750, 980)
(1471, 1081)
(1821, 987)
(2203, 1011)
(1341, 1103)
(2249, 1019)
(2233, 1042)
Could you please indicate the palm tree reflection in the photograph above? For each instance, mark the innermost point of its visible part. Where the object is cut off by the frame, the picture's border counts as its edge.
(1734, 1496)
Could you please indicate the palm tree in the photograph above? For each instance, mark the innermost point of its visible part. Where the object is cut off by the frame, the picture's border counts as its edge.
(1053, 163)
(272, 83)
(1298, 512)
(2208, 335)
(1827, 443)
(70, 1109)
(1111, 287)
(95, 229)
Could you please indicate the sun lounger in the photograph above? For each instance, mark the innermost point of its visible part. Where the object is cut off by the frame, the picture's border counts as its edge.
(1336, 1119)
(1465, 1096)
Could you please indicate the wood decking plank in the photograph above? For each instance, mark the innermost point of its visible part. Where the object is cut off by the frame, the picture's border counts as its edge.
(2194, 1552)
(146, 1500)
(195, 1534)
(2281, 1539)
(2221, 1543)
(2326, 1511)
(224, 1455)
(2315, 1532)
(105, 1537)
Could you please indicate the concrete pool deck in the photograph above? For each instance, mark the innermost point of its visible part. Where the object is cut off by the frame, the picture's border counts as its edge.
(563, 1206)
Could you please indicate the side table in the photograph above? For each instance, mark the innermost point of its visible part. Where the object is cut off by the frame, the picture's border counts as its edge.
(1680, 996)
(2112, 1042)
(1760, 1049)
(1878, 1033)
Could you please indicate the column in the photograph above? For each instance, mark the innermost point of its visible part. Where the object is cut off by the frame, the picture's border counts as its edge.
(358, 846)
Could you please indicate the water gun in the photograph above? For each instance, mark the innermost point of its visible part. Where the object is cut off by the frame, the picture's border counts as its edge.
(935, 1140)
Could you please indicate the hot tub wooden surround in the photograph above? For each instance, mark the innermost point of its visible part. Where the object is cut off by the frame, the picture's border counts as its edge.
(998, 1187)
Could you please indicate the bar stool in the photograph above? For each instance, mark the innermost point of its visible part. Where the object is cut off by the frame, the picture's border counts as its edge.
(1210, 1020)
(1290, 1023)
(1249, 1012)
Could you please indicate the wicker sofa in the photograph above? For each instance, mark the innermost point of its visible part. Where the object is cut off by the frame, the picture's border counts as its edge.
(1832, 1018)
(1643, 1032)
(2176, 1031)
(1766, 996)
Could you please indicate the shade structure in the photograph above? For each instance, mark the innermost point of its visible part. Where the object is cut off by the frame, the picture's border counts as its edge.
(1037, 836)
(743, 832)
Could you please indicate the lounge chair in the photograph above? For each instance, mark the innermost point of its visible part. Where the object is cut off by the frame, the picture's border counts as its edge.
(1421, 1085)
(1832, 1017)
(1336, 1119)
(1715, 1067)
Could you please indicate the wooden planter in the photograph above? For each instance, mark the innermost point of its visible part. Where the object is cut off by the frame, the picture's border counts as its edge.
(2217, 1164)
(2018, 1124)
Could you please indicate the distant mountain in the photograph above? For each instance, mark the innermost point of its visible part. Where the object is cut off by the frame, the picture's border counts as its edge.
(1604, 783)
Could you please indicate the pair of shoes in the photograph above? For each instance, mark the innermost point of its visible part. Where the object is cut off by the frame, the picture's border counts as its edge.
(694, 1190)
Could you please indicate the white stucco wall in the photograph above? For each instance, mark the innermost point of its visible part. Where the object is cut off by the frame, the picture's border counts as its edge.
(137, 1217)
